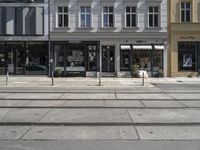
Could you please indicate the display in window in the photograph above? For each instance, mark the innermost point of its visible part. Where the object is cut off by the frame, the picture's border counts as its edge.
(187, 60)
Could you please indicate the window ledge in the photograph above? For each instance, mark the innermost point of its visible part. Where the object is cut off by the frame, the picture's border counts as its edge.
(153, 28)
(130, 28)
(85, 28)
(108, 28)
(62, 28)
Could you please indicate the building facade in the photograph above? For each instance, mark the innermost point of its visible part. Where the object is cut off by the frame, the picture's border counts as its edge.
(119, 32)
(184, 38)
(24, 36)
(86, 36)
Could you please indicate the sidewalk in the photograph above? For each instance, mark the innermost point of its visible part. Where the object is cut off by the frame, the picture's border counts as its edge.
(44, 81)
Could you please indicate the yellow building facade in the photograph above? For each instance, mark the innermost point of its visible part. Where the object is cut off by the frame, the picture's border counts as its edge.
(183, 38)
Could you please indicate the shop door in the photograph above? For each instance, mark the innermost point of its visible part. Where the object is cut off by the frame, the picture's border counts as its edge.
(2, 62)
(108, 59)
(10, 61)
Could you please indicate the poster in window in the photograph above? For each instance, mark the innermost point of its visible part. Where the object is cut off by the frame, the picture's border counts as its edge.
(187, 60)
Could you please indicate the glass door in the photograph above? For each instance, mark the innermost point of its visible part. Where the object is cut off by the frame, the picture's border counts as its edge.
(108, 59)
(2, 62)
(10, 61)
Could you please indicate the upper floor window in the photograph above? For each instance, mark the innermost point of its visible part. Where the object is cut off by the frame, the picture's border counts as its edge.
(108, 16)
(131, 16)
(62, 17)
(85, 16)
(153, 16)
(185, 11)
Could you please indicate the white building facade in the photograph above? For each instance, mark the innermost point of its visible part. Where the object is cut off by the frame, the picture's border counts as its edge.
(116, 34)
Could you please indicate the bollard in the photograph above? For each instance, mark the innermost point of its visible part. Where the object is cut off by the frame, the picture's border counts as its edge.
(52, 79)
(7, 75)
(143, 79)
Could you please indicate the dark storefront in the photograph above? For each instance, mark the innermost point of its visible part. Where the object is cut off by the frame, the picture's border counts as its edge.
(148, 57)
(75, 59)
(24, 58)
(189, 56)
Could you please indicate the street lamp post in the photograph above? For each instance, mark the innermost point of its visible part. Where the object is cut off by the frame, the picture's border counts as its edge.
(49, 38)
(100, 66)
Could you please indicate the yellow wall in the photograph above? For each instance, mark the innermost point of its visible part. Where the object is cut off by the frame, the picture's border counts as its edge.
(178, 31)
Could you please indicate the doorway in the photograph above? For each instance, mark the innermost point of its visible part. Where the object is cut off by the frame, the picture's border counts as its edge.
(108, 59)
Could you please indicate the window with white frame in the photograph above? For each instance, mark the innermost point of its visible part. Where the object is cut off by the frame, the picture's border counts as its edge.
(85, 17)
(131, 18)
(62, 17)
(108, 16)
(185, 11)
(153, 16)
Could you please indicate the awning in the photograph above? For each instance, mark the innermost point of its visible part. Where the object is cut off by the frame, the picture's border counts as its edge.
(125, 47)
(142, 47)
(159, 47)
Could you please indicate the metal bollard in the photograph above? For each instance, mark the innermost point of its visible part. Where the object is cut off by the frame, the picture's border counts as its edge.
(7, 75)
(143, 79)
(52, 79)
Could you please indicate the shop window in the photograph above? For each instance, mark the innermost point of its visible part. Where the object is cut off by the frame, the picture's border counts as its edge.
(2, 59)
(143, 59)
(157, 62)
(36, 58)
(108, 16)
(130, 16)
(75, 61)
(187, 53)
(125, 60)
(59, 56)
(62, 17)
(185, 11)
(92, 57)
(153, 16)
(85, 17)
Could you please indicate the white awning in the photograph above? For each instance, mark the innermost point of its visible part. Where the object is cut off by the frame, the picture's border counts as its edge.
(125, 47)
(159, 47)
(142, 47)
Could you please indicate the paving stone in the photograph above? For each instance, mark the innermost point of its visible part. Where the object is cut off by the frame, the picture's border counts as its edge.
(50, 103)
(6, 103)
(85, 103)
(12, 132)
(3, 112)
(162, 104)
(169, 132)
(143, 96)
(87, 116)
(185, 96)
(195, 103)
(34, 96)
(123, 103)
(3, 95)
(24, 115)
(81, 132)
(165, 115)
(88, 96)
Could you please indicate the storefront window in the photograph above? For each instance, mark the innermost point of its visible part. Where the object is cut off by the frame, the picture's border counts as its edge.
(36, 58)
(2, 58)
(157, 62)
(92, 57)
(75, 61)
(59, 56)
(187, 53)
(125, 60)
(143, 59)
